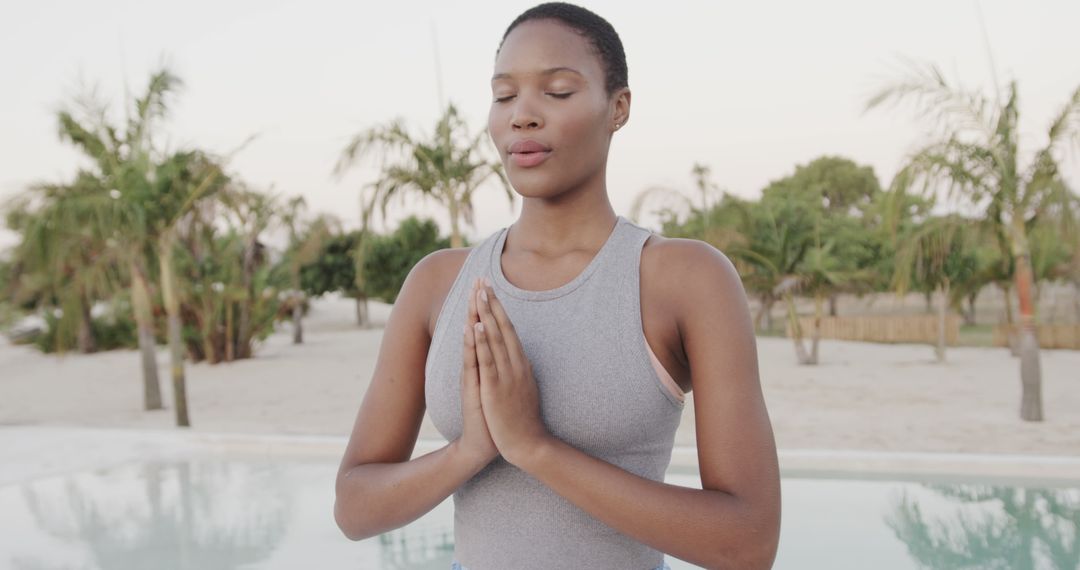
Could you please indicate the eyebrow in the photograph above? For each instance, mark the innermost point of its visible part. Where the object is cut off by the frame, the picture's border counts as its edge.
(548, 71)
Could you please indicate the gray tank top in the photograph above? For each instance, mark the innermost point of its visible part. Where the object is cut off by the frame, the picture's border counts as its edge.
(599, 392)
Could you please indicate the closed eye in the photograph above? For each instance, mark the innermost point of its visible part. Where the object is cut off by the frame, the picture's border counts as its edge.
(556, 95)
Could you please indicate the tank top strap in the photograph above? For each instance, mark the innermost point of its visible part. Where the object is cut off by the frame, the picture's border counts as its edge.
(625, 255)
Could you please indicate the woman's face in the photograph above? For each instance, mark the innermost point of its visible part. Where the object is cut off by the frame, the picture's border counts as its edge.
(548, 88)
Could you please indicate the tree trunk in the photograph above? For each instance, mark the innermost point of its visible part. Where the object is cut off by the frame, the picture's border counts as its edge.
(969, 314)
(815, 335)
(85, 339)
(796, 331)
(768, 302)
(1008, 304)
(176, 353)
(243, 325)
(1031, 408)
(297, 318)
(176, 342)
(832, 304)
(230, 340)
(209, 325)
(929, 296)
(455, 231)
(362, 311)
(939, 350)
(144, 320)
(763, 313)
(1011, 335)
(1076, 301)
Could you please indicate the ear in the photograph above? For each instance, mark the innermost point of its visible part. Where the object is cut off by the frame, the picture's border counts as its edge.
(620, 108)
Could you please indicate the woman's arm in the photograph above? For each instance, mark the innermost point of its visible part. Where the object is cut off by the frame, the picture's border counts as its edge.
(734, 521)
(378, 487)
(373, 498)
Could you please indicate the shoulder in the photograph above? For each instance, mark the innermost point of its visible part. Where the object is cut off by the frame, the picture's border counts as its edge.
(681, 252)
(441, 262)
(692, 271)
(432, 278)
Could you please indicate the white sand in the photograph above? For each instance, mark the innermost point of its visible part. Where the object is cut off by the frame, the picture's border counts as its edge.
(862, 397)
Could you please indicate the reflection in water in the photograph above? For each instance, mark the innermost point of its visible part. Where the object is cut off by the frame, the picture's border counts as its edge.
(992, 527)
(161, 515)
(278, 515)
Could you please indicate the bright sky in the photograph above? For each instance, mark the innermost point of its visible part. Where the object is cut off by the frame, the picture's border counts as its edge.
(749, 88)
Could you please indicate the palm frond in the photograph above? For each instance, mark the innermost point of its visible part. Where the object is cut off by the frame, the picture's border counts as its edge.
(391, 137)
(935, 98)
(1066, 123)
(152, 106)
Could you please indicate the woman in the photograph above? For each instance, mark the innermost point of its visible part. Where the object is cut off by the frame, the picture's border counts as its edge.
(554, 356)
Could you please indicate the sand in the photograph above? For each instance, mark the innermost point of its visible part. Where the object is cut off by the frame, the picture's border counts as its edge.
(863, 396)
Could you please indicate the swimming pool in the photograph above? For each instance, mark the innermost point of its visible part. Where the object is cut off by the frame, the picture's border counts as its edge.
(222, 512)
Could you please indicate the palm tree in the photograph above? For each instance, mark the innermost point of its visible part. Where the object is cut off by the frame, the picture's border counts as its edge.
(64, 259)
(821, 273)
(127, 163)
(936, 254)
(778, 232)
(153, 191)
(183, 179)
(975, 156)
(449, 167)
(306, 240)
(253, 213)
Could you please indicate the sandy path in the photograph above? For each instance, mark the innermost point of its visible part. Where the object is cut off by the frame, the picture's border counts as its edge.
(864, 396)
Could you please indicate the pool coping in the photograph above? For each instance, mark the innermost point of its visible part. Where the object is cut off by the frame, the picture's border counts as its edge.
(38, 451)
(810, 463)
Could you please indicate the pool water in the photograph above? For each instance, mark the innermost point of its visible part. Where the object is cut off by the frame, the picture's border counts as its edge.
(222, 514)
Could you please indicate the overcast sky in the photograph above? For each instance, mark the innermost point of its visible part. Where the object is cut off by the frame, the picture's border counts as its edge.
(749, 88)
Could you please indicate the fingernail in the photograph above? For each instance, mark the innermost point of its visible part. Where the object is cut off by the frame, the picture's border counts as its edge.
(483, 295)
(480, 327)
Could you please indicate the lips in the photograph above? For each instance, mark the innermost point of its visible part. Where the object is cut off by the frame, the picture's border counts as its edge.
(528, 152)
(528, 145)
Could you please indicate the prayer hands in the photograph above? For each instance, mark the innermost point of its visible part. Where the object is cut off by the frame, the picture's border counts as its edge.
(509, 398)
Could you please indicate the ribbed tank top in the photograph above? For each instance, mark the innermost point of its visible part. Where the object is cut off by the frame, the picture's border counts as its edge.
(599, 392)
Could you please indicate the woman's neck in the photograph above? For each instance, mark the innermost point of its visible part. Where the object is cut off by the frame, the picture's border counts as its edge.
(579, 221)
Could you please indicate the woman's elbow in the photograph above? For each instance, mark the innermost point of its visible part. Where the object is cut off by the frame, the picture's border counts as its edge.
(345, 515)
(349, 509)
(756, 548)
(758, 553)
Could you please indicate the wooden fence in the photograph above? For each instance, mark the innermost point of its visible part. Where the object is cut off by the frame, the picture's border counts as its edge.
(1050, 336)
(885, 328)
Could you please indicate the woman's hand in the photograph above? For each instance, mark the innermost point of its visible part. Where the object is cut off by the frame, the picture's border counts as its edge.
(475, 439)
(508, 391)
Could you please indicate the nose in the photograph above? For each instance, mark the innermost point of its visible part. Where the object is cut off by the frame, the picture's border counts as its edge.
(525, 118)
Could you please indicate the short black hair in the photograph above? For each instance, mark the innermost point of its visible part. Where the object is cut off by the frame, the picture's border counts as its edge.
(598, 31)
